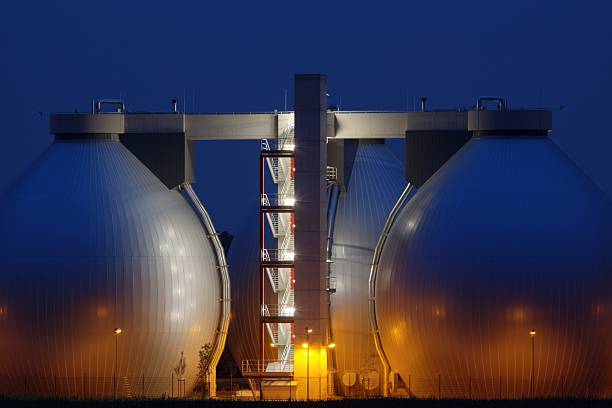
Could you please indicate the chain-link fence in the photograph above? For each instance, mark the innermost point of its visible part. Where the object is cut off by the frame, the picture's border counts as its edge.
(239, 388)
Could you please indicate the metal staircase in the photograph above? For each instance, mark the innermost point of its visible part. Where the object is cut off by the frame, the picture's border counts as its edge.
(276, 262)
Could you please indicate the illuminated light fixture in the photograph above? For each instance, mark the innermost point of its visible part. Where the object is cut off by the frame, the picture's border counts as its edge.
(304, 345)
(290, 310)
(117, 331)
(532, 333)
(293, 280)
(331, 345)
(308, 331)
(290, 256)
(272, 345)
(293, 336)
(289, 201)
(290, 147)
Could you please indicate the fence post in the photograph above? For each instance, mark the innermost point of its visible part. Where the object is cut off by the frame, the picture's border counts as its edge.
(409, 392)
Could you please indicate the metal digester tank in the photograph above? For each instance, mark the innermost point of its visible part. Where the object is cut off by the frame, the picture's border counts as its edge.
(92, 241)
(496, 277)
(370, 179)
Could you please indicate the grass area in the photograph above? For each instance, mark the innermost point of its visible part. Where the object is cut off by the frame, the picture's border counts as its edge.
(364, 403)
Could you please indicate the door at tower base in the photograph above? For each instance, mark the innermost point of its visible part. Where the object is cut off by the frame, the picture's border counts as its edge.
(90, 241)
(509, 237)
(310, 372)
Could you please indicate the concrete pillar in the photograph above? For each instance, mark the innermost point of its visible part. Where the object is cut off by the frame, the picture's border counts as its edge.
(310, 232)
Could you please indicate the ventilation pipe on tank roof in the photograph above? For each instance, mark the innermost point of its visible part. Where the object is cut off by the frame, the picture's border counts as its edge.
(501, 102)
(174, 105)
(423, 99)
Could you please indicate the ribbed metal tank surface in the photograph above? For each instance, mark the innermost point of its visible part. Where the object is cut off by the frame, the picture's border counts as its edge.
(243, 260)
(507, 237)
(91, 240)
(375, 183)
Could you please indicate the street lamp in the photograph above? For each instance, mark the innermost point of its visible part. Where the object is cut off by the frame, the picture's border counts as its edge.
(307, 344)
(116, 333)
(532, 333)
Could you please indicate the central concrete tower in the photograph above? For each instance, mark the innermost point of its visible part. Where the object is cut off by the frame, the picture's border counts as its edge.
(311, 314)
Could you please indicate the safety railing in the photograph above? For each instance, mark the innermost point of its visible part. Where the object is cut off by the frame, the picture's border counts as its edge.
(277, 200)
(277, 255)
(277, 310)
(331, 174)
(287, 358)
(265, 366)
(282, 144)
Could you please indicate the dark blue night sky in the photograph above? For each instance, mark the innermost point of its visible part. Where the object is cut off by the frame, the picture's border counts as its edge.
(233, 56)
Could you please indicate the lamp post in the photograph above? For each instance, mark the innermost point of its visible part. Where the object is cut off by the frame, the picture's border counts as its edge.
(116, 333)
(532, 333)
(307, 346)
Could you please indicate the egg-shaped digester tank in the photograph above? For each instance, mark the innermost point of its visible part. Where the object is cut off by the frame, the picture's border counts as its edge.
(372, 180)
(373, 185)
(496, 277)
(91, 241)
(244, 330)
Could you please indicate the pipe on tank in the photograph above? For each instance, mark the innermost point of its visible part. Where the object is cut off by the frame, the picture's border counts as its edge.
(332, 207)
(423, 99)
(224, 320)
(372, 283)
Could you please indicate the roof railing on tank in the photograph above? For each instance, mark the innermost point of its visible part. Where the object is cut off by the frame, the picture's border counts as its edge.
(118, 104)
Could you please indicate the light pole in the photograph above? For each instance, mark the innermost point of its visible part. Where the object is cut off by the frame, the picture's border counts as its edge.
(532, 333)
(116, 333)
(307, 347)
